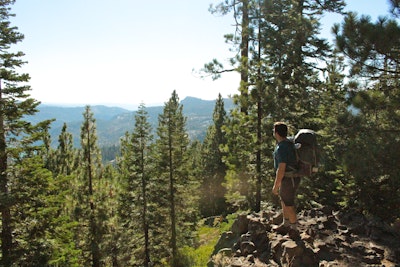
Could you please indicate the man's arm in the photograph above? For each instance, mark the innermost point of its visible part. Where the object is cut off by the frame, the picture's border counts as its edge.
(280, 172)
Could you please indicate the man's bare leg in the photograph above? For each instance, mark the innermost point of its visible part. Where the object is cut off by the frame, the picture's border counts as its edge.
(289, 213)
(286, 220)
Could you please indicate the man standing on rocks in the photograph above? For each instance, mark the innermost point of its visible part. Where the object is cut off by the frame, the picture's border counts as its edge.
(285, 185)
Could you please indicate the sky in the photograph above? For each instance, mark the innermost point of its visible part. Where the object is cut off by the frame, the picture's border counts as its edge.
(126, 52)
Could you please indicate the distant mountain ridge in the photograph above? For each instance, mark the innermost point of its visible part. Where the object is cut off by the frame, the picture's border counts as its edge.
(113, 122)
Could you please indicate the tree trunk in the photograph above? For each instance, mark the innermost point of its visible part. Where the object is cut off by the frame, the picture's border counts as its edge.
(6, 236)
(144, 215)
(244, 55)
(172, 203)
(260, 116)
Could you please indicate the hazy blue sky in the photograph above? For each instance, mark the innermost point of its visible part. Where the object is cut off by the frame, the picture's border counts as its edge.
(124, 52)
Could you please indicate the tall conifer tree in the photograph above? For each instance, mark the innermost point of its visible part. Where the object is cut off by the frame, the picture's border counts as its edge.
(171, 146)
(372, 129)
(89, 193)
(213, 168)
(65, 154)
(64, 166)
(134, 165)
(15, 139)
(282, 80)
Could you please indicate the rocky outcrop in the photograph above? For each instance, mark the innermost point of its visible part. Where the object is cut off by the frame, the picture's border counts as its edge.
(326, 238)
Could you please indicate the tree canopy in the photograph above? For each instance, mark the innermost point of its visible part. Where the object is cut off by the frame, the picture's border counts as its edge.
(73, 206)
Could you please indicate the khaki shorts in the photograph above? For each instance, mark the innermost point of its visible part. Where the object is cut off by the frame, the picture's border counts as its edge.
(288, 189)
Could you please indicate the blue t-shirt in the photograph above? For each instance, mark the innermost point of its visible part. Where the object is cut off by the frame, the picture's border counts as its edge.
(284, 152)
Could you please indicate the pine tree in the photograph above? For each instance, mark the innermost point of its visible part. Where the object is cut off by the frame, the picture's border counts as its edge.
(65, 154)
(134, 166)
(238, 156)
(43, 231)
(33, 213)
(171, 149)
(241, 42)
(371, 129)
(15, 104)
(142, 140)
(63, 166)
(282, 80)
(89, 195)
(330, 186)
(111, 233)
(395, 7)
(213, 168)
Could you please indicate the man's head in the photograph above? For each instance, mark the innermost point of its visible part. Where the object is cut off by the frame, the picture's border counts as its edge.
(281, 129)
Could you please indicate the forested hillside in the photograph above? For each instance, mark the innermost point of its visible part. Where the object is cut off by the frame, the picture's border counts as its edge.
(61, 205)
(113, 122)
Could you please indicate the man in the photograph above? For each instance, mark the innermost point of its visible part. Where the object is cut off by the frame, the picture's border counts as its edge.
(285, 184)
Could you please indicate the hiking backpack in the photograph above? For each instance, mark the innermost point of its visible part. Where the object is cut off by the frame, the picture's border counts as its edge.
(306, 148)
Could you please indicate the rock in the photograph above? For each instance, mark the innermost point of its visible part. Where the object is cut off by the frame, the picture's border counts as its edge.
(245, 237)
(277, 249)
(267, 214)
(343, 230)
(306, 238)
(247, 248)
(330, 223)
(277, 219)
(310, 222)
(240, 262)
(329, 264)
(262, 243)
(327, 210)
(309, 258)
(226, 252)
(378, 250)
(256, 227)
(311, 232)
(323, 251)
(327, 238)
(339, 240)
(292, 249)
(227, 240)
(272, 263)
(240, 225)
(372, 259)
(359, 247)
(250, 258)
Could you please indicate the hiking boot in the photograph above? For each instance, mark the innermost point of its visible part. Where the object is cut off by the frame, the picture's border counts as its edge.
(281, 229)
(294, 234)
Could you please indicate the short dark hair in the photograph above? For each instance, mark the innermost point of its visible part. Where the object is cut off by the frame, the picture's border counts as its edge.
(281, 128)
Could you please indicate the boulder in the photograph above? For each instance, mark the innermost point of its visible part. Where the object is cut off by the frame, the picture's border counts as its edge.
(327, 238)
(227, 240)
(240, 225)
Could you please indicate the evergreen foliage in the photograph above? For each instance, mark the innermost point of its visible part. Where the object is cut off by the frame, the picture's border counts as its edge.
(282, 42)
(135, 171)
(25, 207)
(372, 130)
(212, 201)
(61, 207)
(61, 163)
(176, 186)
(89, 194)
